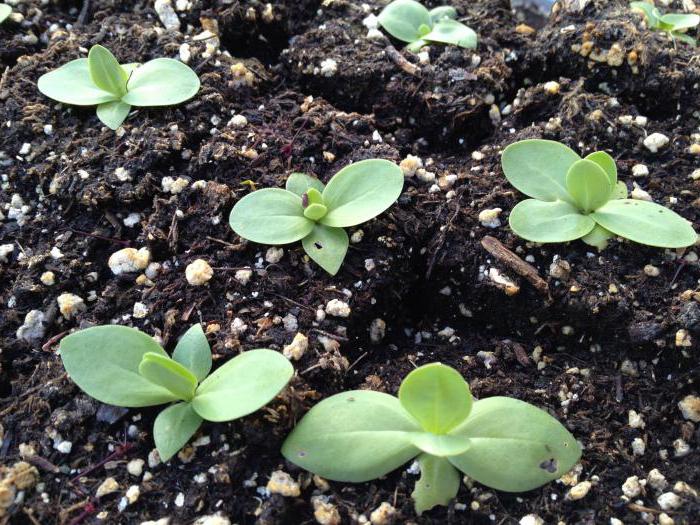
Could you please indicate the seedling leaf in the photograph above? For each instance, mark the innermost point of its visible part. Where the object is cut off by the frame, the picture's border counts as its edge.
(541, 221)
(440, 445)
(5, 11)
(605, 161)
(113, 113)
(515, 446)
(354, 436)
(104, 362)
(105, 71)
(680, 21)
(448, 31)
(442, 12)
(438, 483)
(300, 183)
(598, 237)
(588, 184)
(163, 371)
(327, 246)
(71, 84)
(193, 352)
(243, 385)
(403, 18)
(437, 396)
(173, 428)
(161, 82)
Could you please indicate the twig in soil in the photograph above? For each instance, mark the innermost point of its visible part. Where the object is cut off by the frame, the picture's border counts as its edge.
(206, 61)
(43, 464)
(398, 59)
(84, 12)
(236, 247)
(292, 301)
(120, 451)
(101, 237)
(619, 392)
(54, 339)
(355, 362)
(515, 263)
(329, 335)
(675, 275)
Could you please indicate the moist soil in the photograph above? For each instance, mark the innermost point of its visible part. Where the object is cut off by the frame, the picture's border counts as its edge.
(587, 335)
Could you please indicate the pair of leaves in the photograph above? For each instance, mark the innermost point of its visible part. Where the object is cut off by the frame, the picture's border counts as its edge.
(501, 442)
(574, 198)
(409, 21)
(356, 194)
(100, 80)
(673, 23)
(122, 366)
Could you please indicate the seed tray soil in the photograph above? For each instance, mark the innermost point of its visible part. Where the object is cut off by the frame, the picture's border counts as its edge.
(589, 340)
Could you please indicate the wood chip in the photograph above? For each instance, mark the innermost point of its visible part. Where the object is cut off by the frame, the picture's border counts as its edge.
(515, 263)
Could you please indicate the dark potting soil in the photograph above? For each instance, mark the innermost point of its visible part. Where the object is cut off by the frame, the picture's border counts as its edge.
(588, 336)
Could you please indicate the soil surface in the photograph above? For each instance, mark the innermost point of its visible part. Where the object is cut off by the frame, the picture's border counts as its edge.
(606, 342)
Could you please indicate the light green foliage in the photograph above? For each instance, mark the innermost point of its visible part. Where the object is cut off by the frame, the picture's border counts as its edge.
(122, 366)
(101, 81)
(5, 11)
(409, 21)
(576, 198)
(361, 435)
(675, 24)
(316, 214)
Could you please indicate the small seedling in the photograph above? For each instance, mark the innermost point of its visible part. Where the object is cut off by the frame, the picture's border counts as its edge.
(575, 198)
(675, 24)
(5, 11)
(409, 21)
(501, 442)
(99, 80)
(122, 366)
(316, 214)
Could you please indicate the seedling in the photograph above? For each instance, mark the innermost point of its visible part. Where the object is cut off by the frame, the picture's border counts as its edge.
(675, 24)
(501, 442)
(316, 214)
(409, 21)
(575, 198)
(99, 80)
(5, 11)
(122, 366)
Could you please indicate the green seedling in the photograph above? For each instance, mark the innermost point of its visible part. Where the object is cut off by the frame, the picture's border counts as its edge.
(675, 24)
(316, 214)
(575, 198)
(409, 21)
(501, 442)
(122, 366)
(5, 11)
(99, 80)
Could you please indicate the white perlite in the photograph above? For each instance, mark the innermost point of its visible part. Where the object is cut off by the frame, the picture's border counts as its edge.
(282, 483)
(33, 328)
(274, 254)
(656, 480)
(669, 501)
(5, 250)
(70, 304)
(655, 142)
(690, 408)
(167, 15)
(140, 310)
(198, 272)
(129, 260)
(174, 186)
(329, 67)
(377, 330)
(410, 164)
(297, 348)
(580, 490)
(383, 515)
(531, 519)
(338, 308)
(244, 276)
(640, 170)
(108, 486)
(48, 278)
(631, 487)
(238, 122)
(489, 217)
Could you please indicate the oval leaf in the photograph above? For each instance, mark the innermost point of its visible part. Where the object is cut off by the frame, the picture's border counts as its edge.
(173, 428)
(105, 71)
(438, 483)
(163, 371)
(588, 184)
(442, 12)
(112, 114)
(681, 21)
(353, 436)
(5, 11)
(646, 223)
(598, 237)
(71, 84)
(403, 18)
(104, 362)
(540, 221)
(515, 446)
(440, 445)
(161, 82)
(300, 183)
(452, 32)
(270, 216)
(605, 161)
(243, 385)
(437, 396)
(193, 352)
(361, 191)
(327, 247)
(538, 168)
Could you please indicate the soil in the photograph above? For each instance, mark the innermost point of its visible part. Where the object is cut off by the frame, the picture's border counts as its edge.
(591, 337)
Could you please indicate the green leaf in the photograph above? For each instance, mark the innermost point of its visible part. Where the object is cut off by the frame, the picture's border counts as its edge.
(680, 21)
(161, 82)
(438, 483)
(5, 11)
(650, 12)
(620, 191)
(105, 71)
(646, 223)
(270, 216)
(71, 84)
(442, 12)
(605, 161)
(113, 113)
(104, 362)
(243, 385)
(540, 221)
(588, 184)
(361, 191)
(173, 428)
(440, 445)
(684, 38)
(300, 183)
(354, 436)
(452, 32)
(169, 374)
(327, 247)
(598, 237)
(193, 352)
(315, 212)
(538, 168)
(437, 396)
(515, 446)
(403, 18)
